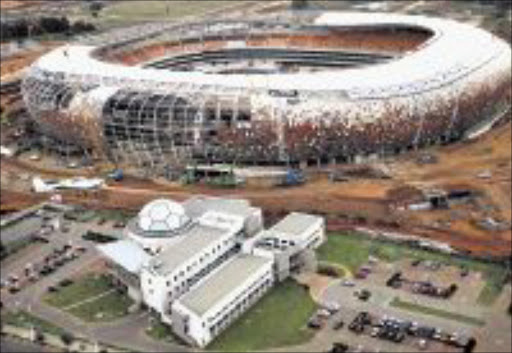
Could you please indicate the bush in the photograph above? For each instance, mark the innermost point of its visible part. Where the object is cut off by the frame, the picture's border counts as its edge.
(40, 338)
(81, 26)
(53, 289)
(67, 338)
(98, 237)
(65, 282)
(328, 271)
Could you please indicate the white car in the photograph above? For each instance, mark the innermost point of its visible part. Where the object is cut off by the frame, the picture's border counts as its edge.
(347, 283)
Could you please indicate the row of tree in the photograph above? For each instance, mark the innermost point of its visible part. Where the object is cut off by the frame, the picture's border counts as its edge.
(23, 28)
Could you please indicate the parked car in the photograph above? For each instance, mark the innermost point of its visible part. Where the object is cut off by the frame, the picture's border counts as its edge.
(339, 347)
(314, 323)
(119, 224)
(364, 294)
(348, 283)
(332, 307)
(323, 313)
(338, 324)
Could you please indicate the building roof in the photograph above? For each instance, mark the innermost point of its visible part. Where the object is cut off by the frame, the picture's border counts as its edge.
(126, 254)
(194, 239)
(162, 215)
(295, 223)
(195, 207)
(222, 282)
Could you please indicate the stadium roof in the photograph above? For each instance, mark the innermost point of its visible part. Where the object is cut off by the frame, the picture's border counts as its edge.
(126, 254)
(222, 283)
(455, 50)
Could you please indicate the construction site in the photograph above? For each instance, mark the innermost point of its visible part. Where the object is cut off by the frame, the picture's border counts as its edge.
(375, 194)
(327, 175)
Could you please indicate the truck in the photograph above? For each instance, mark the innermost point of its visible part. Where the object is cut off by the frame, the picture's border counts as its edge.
(293, 177)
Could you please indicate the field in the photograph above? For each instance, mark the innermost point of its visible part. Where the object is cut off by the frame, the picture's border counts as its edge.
(435, 312)
(278, 319)
(27, 320)
(91, 298)
(122, 13)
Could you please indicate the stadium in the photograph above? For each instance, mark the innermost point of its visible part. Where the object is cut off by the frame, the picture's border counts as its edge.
(287, 88)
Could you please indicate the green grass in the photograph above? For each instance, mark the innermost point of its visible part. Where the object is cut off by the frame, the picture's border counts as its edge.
(493, 287)
(353, 249)
(122, 13)
(111, 306)
(24, 319)
(83, 288)
(397, 303)
(14, 246)
(278, 319)
(114, 215)
(160, 331)
(106, 308)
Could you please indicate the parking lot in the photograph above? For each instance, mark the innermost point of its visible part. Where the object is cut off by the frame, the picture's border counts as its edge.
(368, 319)
(54, 251)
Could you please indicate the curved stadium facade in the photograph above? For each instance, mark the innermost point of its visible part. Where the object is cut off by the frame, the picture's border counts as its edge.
(333, 86)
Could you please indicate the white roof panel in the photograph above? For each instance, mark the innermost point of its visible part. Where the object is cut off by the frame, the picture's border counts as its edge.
(126, 254)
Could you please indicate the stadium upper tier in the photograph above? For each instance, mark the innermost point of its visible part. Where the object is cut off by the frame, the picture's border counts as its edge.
(210, 81)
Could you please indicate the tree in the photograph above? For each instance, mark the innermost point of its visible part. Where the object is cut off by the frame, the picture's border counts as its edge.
(67, 338)
(95, 8)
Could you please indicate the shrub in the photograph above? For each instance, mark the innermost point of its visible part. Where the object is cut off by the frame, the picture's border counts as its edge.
(65, 282)
(328, 271)
(67, 338)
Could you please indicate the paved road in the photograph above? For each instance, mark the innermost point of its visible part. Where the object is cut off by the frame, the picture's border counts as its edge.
(12, 345)
(127, 332)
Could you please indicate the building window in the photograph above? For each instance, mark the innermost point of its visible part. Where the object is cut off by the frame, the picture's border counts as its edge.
(168, 283)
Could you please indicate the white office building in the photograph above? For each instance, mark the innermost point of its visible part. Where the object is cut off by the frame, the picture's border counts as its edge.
(205, 311)
(201, 263)
(163, 222)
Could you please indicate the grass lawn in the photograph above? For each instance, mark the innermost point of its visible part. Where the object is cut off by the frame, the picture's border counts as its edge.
(81, 289)
(436, 312)
(115, 215)
(110, 306)
(278, 319)
(161, 332)
(493, 287)
(121, 13)
(14, 246)
(106, 308)
(158, 331)
(24, 319)
(353, 249)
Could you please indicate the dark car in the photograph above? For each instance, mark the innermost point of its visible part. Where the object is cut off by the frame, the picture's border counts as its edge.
(338, 347)
(338, 325)
(119, 224)
(364, 295)
(314, 323)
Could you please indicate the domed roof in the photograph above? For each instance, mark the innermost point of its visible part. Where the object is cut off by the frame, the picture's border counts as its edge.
(162, 215)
